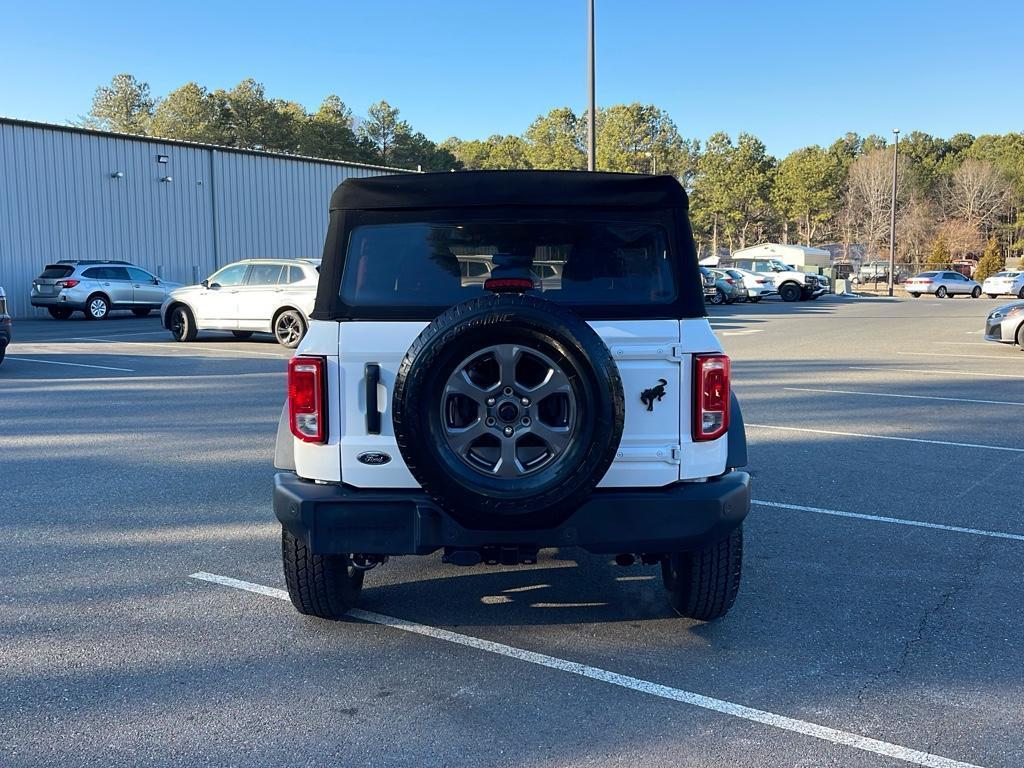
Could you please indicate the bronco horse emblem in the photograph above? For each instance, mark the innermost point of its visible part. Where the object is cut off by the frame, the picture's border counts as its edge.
(648, 396)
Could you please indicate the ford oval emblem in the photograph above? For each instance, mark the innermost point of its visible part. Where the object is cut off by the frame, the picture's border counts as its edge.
(373, 458)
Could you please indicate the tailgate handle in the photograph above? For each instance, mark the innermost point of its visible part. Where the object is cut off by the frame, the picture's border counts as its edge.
(372, 371)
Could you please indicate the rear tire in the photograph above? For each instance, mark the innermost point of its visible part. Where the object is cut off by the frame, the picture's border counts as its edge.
(182, 324)
(976, 293)
(327, 586)
(915, 294)
(754, 299)
(59, 313)
(242, 334)
(1020, 337)
(1020, 293)
(790, 292)
(995, 295)
(289, 328)
(941, 293)
(703, 584)
(97, 307)
(719, 298)
(141, 312)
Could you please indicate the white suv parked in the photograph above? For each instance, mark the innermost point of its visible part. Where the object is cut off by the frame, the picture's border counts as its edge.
(503, 361)
(252, 296)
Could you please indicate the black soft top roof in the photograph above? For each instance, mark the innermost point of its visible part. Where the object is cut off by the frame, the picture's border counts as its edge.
(509, 188)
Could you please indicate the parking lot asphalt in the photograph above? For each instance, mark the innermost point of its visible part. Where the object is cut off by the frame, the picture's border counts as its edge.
(878, 622)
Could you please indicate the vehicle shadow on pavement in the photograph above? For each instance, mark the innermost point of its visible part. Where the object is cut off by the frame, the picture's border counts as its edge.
(567, 587)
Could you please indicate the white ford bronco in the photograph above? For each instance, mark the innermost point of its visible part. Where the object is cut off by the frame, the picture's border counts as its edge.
(504, 361)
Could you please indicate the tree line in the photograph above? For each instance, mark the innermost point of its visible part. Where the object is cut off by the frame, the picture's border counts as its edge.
(956, 197)
(244, 117)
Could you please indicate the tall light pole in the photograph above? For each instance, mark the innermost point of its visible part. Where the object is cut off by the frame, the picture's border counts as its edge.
(591, 110)
(892, 212)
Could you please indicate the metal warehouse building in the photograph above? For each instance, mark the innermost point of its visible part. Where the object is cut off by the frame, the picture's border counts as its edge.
(176, 208)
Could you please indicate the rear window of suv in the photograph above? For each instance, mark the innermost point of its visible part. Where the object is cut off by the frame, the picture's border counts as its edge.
(416, 264)
(56, 271)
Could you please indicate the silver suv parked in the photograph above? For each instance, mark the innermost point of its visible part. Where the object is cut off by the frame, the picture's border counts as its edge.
(96, 288)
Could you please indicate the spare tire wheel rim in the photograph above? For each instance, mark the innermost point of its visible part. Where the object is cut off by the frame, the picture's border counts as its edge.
(508, 411)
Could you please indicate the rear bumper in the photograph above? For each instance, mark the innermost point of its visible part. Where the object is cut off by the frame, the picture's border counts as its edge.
(339, 519)
(57, 301)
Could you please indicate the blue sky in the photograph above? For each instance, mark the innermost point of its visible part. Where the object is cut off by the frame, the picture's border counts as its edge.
(793, 73)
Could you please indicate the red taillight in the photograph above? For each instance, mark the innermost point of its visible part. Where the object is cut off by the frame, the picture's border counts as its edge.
(729, 280)
(922, 280)
(306, 412)
(67, 283)
(760, 281)
(711, 396)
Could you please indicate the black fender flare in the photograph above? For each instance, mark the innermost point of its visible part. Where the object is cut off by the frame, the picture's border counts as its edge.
(736, 436)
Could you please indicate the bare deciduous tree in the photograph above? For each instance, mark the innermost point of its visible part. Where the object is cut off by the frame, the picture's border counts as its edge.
(869, 196)
(962, 237)
(915, 231)
(977, 193)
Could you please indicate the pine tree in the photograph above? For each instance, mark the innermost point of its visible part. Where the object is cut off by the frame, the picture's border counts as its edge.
(940, 258)
(990, 262)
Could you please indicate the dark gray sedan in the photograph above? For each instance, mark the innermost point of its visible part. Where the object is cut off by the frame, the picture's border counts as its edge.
(1006, 324)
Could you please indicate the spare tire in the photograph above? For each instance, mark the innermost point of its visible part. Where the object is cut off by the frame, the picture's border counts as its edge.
(508, 410)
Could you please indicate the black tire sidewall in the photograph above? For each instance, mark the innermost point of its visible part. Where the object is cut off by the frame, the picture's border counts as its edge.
(188, 330)
(302, 324)
(551, 494)
(789, 292)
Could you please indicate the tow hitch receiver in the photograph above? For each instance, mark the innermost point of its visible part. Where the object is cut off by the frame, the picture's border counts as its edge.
(494, 555)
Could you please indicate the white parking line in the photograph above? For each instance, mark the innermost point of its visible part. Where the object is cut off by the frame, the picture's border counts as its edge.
(771, 719)
(43, 385)
(894, 520)
(745, 332)
(935, 370)
(74, 365)
(136, 333)
(909, 397)
(949, 354)
(184, 347)
(887, 437)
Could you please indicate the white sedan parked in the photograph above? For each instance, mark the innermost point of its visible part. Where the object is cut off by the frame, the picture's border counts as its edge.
(1009, 281)
(757, 284)
(252, 296)
(942, 284)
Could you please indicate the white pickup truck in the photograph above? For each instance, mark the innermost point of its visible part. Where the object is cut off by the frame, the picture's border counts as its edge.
(500, 362)
(790, 283)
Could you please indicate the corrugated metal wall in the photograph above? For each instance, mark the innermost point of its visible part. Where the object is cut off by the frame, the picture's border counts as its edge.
(60, 198)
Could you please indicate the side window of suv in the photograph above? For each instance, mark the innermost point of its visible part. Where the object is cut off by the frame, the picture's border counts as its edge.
(115, 273)
(264, 274)
(233, 275)
(292, 275)
(140, 275)
(93, 273)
